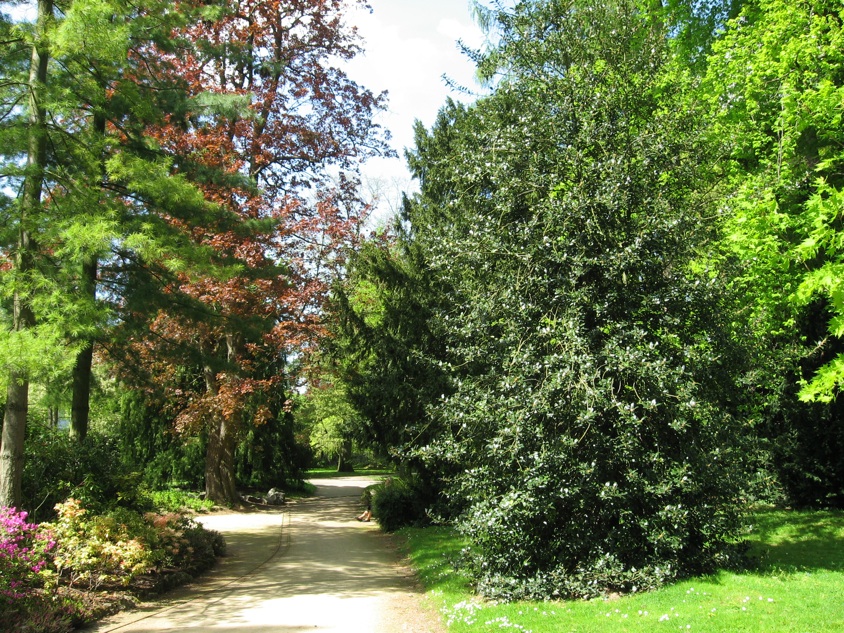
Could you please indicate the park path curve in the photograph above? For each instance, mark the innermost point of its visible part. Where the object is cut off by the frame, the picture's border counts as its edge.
(307, 567)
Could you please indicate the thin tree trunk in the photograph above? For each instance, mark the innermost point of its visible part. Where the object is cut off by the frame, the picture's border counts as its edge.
(81, 401)
(17, 393)
(344, 465)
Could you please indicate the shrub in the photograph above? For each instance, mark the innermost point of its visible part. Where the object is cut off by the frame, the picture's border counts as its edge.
(395, 504)
(117, 547)
(592, 435)
(95, 549)
(93, 471)
(24, 549)
(184, 544)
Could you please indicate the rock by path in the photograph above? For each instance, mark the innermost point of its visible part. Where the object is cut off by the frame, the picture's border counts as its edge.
(307, 567)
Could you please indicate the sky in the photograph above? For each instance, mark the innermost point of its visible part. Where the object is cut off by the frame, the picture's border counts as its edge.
(409, 45)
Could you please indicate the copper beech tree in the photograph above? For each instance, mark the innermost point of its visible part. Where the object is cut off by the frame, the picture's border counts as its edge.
(274, 134)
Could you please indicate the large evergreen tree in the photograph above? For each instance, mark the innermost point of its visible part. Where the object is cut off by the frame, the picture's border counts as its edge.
(567, 216)
(26, 215)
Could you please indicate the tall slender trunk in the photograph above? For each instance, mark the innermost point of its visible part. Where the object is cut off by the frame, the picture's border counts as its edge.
(220, 485)
(344, 456)
(81, 400)
(17, 393)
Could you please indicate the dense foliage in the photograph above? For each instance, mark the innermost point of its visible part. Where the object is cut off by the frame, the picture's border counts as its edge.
(187, 189)
(591, 419)
(559, 339)
(776, 85)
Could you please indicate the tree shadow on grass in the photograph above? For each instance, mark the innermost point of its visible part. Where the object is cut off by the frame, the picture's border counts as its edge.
(794, 541)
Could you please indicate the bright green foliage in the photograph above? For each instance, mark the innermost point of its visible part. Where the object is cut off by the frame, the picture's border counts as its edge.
(173, 500)
(589, 434)
(777, 81)
(331, 422)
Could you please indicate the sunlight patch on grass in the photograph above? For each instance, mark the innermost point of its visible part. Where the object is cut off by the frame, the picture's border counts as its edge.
(331, 473)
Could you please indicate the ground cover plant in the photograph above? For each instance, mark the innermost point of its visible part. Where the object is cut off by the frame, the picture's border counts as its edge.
(795, 585)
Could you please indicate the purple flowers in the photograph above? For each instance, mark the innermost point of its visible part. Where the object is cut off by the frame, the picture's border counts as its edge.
(23, 553)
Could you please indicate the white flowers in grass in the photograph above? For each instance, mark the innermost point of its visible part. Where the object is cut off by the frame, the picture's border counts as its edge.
(464, 611)
(504, 623)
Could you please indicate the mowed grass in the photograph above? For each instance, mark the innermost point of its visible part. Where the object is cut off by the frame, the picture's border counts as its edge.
(797, 585)
(331, 473)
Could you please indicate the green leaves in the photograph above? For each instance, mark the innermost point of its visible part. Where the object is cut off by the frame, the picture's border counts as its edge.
(98, 30)
(776, 82)
(567, 218)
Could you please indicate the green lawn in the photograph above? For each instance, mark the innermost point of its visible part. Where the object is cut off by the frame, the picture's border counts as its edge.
(798, 586)
(328, 473)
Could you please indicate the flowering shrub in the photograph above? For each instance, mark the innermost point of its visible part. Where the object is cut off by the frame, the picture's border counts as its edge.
(24, 549)
(119, 546)
(101, 548)
(183, 543)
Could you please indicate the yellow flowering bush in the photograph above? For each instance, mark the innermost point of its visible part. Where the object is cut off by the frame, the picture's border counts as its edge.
(119, 546)
(95, 549)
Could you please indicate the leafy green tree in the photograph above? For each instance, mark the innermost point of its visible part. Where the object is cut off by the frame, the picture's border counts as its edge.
(776, 84)
(27, 214)
(588, 432)
(776, 78)
(331, 422)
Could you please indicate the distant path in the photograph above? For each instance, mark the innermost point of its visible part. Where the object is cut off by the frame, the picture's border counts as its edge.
(308, 567)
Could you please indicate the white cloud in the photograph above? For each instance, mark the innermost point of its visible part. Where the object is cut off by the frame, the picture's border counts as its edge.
(409, 46)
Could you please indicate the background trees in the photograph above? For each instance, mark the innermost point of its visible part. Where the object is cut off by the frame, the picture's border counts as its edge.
(775, 79)
(201, 197)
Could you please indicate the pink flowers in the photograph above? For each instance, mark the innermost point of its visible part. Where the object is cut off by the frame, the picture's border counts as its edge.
(23, 552)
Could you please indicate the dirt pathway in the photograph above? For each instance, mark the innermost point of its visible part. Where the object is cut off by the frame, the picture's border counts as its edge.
(308, 567)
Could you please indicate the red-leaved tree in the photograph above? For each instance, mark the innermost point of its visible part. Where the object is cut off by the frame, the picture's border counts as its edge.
(274, 133)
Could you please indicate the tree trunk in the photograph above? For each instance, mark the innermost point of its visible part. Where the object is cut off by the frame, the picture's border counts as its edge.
(220, 484)
(11, 448)
(219, 463)
(344, 464)
(81, 402)
(17, 393)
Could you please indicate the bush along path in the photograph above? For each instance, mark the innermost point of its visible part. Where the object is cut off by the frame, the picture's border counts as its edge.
(309, 567)
(59, 575)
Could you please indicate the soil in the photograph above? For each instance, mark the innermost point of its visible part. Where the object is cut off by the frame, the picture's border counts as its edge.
(309, 566)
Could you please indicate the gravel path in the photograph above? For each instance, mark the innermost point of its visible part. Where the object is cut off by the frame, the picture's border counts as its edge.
(308, 567)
